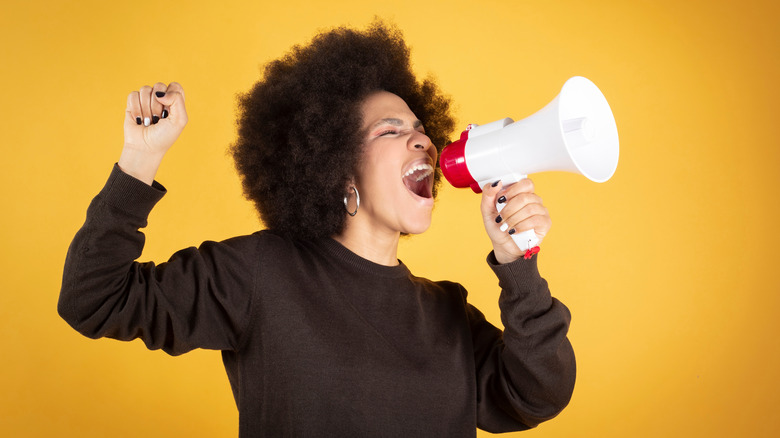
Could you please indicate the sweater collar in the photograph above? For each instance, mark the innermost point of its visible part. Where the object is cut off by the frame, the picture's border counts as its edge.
(348, 257)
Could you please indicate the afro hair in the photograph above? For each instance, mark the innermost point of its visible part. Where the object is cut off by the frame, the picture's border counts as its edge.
(299, 128)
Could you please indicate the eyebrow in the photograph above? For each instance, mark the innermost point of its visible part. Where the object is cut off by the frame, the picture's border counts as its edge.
(396, 122)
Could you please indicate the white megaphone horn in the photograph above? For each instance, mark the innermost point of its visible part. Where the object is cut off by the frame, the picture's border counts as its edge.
(576, 132)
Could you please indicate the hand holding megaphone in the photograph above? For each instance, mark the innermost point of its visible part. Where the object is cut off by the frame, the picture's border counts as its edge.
(576, 132)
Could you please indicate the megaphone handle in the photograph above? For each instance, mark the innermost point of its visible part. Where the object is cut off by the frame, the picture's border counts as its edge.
(525, 240)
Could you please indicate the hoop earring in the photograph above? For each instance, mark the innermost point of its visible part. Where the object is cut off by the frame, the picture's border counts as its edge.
(357, 199)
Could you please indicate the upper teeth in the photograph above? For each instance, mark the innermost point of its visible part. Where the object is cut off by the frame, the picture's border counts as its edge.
(427, 168)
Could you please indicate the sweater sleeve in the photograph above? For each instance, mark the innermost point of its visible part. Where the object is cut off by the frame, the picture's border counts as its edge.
(526, 374)
(198, 299)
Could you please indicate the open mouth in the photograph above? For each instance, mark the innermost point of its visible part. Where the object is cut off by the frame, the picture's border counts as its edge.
(419, 180)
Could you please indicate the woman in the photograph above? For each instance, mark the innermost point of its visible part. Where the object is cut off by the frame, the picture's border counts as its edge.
(323, 331)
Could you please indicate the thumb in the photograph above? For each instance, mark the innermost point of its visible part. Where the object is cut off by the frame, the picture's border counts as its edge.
(173, 104)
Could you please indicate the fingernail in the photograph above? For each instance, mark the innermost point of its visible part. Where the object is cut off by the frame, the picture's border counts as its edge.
(147, 121)
(511, 231)
(495, 183)
(165, 114)
(498, 219)
(155, 119)
(502, 199)
(138, 121)
(159, 93)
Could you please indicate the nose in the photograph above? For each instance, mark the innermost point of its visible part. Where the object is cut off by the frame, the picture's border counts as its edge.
(420, 141)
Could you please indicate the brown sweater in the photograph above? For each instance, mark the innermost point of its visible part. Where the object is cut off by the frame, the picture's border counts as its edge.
(317, 341)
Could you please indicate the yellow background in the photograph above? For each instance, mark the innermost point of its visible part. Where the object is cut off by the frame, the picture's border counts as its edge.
(670, 268)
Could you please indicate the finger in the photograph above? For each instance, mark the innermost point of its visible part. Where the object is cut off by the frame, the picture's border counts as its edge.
(489, 195)
(170, 90)
(512, 204)
(145, 97)
(515, 209)
(515, 194)
(158, 90)
(176, 87)
(133, 109)
(173, 103)
(522, 186)
(540, 224)
(532, 216)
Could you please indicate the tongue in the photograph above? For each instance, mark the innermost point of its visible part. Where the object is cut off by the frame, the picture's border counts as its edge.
(419, 188)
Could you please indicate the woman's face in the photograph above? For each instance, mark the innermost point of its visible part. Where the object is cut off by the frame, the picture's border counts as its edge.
(395, 177)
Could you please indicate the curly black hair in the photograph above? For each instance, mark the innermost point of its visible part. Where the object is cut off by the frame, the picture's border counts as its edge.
(299, 128)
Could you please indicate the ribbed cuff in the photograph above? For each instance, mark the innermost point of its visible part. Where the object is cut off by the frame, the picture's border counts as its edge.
(131, 195)
(520, 274)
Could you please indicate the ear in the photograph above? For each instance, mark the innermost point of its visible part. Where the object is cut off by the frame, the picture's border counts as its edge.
(352, 182)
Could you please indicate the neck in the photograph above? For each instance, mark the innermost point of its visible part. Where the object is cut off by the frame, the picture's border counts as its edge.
(378, 247)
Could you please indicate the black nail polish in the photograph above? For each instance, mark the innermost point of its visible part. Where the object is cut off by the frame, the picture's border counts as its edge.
(502, 199)
(165, 114)
(495, 184)
(159, 93)
(511, 231)
(155, 119)
(138, 121)
(499, 219)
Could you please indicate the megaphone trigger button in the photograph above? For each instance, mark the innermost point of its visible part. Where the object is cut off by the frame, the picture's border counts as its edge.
(528, 254)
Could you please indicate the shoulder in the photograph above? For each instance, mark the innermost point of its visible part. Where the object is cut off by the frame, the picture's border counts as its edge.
(444, 287)
(269, 248)
(257, 241)
(242, 251)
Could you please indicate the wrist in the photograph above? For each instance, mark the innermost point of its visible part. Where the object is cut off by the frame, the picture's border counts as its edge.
(503, 258)
(142, 165)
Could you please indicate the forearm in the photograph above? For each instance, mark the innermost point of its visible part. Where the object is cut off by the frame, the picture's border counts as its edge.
(530, 372)
(102, 253)
(142, 165)
(199, 298)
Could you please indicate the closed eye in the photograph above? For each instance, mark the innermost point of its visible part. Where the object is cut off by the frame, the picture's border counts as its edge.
(396, 132)
(395, 124)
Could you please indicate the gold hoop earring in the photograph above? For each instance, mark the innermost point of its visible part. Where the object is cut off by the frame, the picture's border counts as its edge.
(357, 199)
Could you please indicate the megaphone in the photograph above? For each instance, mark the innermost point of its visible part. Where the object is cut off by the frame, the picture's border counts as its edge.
(576, 132)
